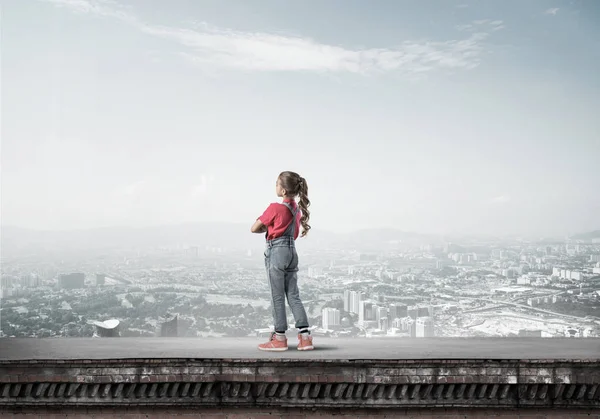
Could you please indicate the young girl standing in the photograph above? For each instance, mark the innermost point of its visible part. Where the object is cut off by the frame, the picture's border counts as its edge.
(281, 222)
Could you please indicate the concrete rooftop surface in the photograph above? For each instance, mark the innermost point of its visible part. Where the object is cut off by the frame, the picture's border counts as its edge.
(325, 348)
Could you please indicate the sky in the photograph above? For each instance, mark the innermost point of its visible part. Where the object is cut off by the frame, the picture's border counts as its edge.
(428, 116)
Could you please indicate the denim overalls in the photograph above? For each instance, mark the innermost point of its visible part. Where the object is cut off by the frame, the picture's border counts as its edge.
(281, 263)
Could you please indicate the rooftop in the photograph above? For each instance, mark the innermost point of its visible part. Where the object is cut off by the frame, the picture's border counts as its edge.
(350, 373)
(325, 348)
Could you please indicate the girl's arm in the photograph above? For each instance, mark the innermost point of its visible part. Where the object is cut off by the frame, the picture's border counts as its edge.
(266, 219)
(258, 227)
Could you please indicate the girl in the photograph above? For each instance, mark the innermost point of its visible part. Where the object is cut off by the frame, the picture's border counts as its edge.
(281, 223)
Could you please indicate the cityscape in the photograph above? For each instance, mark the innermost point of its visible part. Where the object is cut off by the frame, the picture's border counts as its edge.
(404, 286)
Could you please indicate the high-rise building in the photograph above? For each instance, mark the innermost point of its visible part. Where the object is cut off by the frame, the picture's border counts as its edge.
(30, 281)
(383, 324)
(366, 312)
(100, 279)
(409, 325)
(392, 311)
(347, 301)
(330, 318)
(356, 299)
(401, 310)
(413, 312)
(380, 313)
(71, 281)
(424, 327)
(422, 311)
(352, 301)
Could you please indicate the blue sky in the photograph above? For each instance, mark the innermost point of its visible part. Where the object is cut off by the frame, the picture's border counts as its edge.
(432, 116)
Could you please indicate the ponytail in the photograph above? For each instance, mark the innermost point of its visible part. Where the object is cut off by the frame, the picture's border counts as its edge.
(304, 204)
(295, 185)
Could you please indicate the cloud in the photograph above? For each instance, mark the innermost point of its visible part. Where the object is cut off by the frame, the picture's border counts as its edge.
(501, 199)
(461, 6)
(106, 8)
(553, 11)
(482, 26)
(208, 46)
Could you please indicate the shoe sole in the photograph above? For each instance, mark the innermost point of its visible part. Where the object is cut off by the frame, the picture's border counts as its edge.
(306, 348)
(273, 349)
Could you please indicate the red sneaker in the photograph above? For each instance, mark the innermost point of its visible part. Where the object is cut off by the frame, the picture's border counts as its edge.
(274, 344)
(305, 342)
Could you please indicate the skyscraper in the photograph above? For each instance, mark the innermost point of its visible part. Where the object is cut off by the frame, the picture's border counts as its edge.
(380, 313)
(352, 300)
(366, 311)
(347, 300)
(330, 317)
(383, 324)
(392, 311)
(401, 310)
(100, 279)
(422, 311)
(409, 325)
(425, 327)
(413, 312)
(71, 281)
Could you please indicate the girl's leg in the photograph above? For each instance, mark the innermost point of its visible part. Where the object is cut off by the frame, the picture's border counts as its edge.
(293, 293)
(276, 277)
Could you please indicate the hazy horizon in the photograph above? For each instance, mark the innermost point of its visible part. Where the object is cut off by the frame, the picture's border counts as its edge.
(243, 226)
(466, 117)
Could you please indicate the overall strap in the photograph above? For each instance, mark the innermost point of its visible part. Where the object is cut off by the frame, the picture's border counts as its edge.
(291, 228)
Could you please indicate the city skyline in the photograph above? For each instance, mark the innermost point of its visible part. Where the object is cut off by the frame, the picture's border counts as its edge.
(392, 291)
(433, 117)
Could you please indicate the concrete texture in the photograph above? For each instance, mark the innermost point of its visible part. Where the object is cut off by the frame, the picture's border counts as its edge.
(325, 348)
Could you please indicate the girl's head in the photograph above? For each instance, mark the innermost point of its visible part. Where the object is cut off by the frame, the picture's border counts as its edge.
(289, 185)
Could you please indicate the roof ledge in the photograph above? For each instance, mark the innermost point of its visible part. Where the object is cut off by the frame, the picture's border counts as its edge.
(298, 381)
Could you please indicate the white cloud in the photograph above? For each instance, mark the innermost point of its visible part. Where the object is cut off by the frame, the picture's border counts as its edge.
(481, 25)
(553, 11)
(258, 51)
(108, 8)
(501, 199)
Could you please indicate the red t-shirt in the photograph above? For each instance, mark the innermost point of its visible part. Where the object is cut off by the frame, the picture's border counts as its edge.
(277, 217)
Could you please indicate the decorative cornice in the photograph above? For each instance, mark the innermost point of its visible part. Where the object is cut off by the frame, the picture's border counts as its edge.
(308, 383)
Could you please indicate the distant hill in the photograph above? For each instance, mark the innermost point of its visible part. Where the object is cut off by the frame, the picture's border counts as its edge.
(204, 234)
(230, 235)
(587, 236)
(198, 234)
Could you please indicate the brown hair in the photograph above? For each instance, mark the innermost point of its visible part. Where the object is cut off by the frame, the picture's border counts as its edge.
(295, 185)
